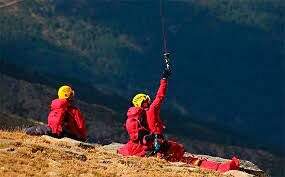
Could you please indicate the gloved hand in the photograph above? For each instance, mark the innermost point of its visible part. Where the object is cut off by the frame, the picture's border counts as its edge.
(166, 73)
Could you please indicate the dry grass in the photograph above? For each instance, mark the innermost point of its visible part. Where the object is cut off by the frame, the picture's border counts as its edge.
(23, 155)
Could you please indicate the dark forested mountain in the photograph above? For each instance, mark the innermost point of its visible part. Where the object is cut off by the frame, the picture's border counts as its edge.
(227, 55)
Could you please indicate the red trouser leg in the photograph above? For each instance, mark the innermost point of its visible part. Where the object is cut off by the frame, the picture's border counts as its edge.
(175, 151)
(231, 165)
(210, 165)
(221, 167)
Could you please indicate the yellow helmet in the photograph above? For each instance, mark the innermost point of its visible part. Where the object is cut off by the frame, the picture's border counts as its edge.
(65, 92)
(139, 98)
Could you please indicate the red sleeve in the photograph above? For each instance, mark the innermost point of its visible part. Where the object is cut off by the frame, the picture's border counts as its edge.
(133, 129)
(160, 95)
(154, 122)
(55, 120)
(80, 121)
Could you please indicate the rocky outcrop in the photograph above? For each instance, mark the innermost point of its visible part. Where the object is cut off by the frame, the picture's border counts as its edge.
(23, 155)
(247, 169)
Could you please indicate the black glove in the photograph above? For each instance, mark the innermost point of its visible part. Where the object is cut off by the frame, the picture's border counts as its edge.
(166, 73)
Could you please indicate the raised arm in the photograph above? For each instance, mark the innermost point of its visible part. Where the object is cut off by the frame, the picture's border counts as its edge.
(160, 95)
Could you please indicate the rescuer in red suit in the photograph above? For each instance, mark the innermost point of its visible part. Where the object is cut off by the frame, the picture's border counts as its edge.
(145, 129)
(64, 119)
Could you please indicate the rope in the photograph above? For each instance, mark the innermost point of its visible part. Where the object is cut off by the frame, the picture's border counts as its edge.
(163, 27)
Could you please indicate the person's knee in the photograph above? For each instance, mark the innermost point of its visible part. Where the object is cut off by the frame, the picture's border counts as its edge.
(30, 130)
(38, 130)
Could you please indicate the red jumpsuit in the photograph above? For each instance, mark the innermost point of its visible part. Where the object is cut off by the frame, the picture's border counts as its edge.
(64, 117)
(137, 145)
(134, 125)
(150, 124)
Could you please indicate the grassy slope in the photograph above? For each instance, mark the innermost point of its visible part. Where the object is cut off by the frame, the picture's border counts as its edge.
(41, 156)
(50, 35)
(104, 124)
(57, 34)
(9, 121)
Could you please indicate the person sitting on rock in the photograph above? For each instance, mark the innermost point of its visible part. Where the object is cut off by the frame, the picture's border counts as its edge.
(145, 129)
(64, 119)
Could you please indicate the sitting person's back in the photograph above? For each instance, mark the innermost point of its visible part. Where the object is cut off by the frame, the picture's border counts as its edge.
(64, 120)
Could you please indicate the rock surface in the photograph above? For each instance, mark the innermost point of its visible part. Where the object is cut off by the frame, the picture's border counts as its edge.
(23, 155)
(247, 169)
(46, 156)
(236, 173)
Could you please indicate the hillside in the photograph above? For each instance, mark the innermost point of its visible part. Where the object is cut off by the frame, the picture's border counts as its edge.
(9, 121)
(225, 54)
(24, 104)
(45, 156)
(225, 96)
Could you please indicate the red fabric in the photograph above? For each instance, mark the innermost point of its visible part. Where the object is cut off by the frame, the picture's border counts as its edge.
(175, 151)
(155, 123)
(63, 115)
(133, 149)
(133, 123)
(76, 123)
(56, 115)
(231, 165)
(221, 167)
(133, 126)
(210, 165)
